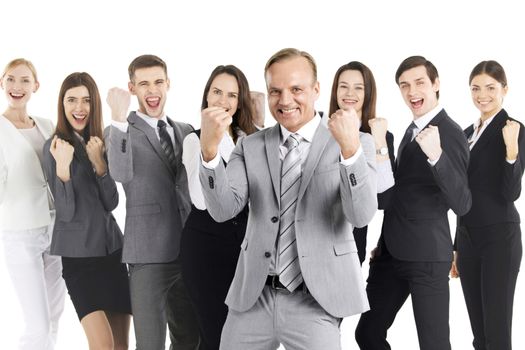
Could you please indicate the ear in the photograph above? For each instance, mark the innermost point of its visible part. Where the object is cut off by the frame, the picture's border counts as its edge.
(505, 90)
(37, 85)
(317, 89)
(436, 85)
(131, 88)
(168, 83)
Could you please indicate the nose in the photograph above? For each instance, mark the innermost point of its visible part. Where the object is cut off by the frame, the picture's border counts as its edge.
(285, 98)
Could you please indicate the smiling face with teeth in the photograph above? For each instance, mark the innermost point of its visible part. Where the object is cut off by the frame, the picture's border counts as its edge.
(292, 92)
(19, 84)
(487, 94)
(77, 107)
(151, 86)
(351, 91)
(418, 91)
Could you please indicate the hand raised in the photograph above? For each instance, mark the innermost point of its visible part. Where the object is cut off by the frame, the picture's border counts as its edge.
(215, 121)
(63, 152)
(257, 99)
(118, 100)
(344, 126)
(95, 152)
(511, 132)
(430, 143)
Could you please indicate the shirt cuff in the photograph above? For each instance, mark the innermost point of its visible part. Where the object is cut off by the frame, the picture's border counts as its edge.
(433, 162)
(511, 162)
(352, 159)
(122, 126)
(385, 176)
(212, 164)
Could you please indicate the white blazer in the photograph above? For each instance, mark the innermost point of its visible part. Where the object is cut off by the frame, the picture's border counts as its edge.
(24, 200)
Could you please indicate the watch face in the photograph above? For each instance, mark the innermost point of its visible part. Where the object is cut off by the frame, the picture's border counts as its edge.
(382, 151)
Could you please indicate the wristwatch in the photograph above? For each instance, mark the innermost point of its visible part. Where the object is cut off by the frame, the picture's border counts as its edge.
(383, 151)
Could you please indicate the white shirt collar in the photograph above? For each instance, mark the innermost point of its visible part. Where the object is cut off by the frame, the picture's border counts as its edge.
(153, 121)
(422, 121)
(307, 131)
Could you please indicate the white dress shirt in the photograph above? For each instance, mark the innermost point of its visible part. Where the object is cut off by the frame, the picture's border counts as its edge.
(123, 126)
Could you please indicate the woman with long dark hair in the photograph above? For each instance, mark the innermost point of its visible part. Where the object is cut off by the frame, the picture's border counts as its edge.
(86, 234)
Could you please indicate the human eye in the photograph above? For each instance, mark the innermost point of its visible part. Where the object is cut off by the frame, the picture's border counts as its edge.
(217, 92)
(70, 100)
(474, 88)
(297, 90)
(233, 95)
(274, 92)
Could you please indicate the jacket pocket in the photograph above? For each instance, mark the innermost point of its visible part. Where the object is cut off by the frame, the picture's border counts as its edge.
(346, 247)
(143, 210)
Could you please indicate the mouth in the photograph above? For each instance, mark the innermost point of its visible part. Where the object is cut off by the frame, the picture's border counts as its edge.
(483, 103)
(79, 117)
(416, 103)
(153, 101)
(16, 96)
(287, 111)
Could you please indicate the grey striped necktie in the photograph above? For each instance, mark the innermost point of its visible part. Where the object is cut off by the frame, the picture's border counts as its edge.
(289, 270)
(166, 143)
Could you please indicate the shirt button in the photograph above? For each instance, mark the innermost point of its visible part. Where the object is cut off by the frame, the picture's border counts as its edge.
(267, 254)
(274, 219)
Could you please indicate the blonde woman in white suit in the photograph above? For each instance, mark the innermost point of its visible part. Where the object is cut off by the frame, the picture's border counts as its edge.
(26, 211)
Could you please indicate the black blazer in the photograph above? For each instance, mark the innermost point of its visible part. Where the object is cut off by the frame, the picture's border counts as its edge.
(415, 224)
(495, 184)
(84, 225)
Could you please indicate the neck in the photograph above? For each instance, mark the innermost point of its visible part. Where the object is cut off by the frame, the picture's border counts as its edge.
(17, 114)
(485, 116)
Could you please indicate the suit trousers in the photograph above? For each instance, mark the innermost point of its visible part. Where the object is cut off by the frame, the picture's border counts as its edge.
(38, 284)
(488, 263)
(159, 297)
(390, 282)
(294, 320)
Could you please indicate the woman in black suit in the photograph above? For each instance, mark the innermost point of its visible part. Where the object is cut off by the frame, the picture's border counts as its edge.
(210, 250)
(488, 238)
(354, 87)
(86, 234)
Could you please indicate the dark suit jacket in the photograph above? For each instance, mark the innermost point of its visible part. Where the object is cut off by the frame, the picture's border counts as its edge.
(495, 184)
(415, 224)
(84, 225)
(157, 197)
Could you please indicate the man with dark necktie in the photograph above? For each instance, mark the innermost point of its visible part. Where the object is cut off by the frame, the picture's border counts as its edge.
(414, 252)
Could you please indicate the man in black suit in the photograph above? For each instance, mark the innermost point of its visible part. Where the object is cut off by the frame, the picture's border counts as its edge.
(414, 252)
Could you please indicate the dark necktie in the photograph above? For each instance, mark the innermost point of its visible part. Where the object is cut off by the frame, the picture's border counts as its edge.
(409, 134)
(166, 144)
(289, 270)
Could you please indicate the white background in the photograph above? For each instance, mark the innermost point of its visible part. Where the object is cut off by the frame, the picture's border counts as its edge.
(102, 37)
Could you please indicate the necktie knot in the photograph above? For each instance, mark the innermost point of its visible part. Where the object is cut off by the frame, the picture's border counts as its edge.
(161, 124)
(292, 141)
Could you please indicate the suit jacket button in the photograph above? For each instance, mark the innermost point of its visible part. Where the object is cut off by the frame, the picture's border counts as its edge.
(267, 254)
(274, 219)
(211, 182)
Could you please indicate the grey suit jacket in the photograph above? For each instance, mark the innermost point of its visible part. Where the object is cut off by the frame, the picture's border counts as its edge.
(157, 197)
(332, 199)
(84, 225)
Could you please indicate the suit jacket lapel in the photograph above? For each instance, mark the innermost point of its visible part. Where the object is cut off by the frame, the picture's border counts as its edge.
(319, 142)
(271, 141)
(140, 124)
(490, 132)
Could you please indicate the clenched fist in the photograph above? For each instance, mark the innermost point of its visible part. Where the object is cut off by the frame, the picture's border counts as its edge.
(215, 121)
(344, 126)
(118, 100)
(62, 151)
(95, 152)
(430, 142)
(257, 99)
(511, 132)
(378, 128)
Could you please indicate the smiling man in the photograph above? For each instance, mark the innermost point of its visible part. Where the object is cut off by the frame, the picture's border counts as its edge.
(414, 252)
(145, 155)
(307, 186)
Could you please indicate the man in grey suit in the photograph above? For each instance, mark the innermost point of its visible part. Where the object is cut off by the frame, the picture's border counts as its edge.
(145, 156)
(298, 272)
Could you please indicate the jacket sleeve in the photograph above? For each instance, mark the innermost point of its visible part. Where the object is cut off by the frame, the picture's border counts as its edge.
(63, 193)
(359, 185)
(3, 175)
(512, 173)
(119, 154)
(108, 190)
(450, 171)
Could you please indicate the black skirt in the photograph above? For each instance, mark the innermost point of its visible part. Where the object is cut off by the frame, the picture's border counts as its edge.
(97, 283)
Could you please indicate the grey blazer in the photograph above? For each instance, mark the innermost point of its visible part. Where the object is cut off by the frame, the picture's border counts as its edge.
(332, 199)
(84, 225)
(157, 197)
